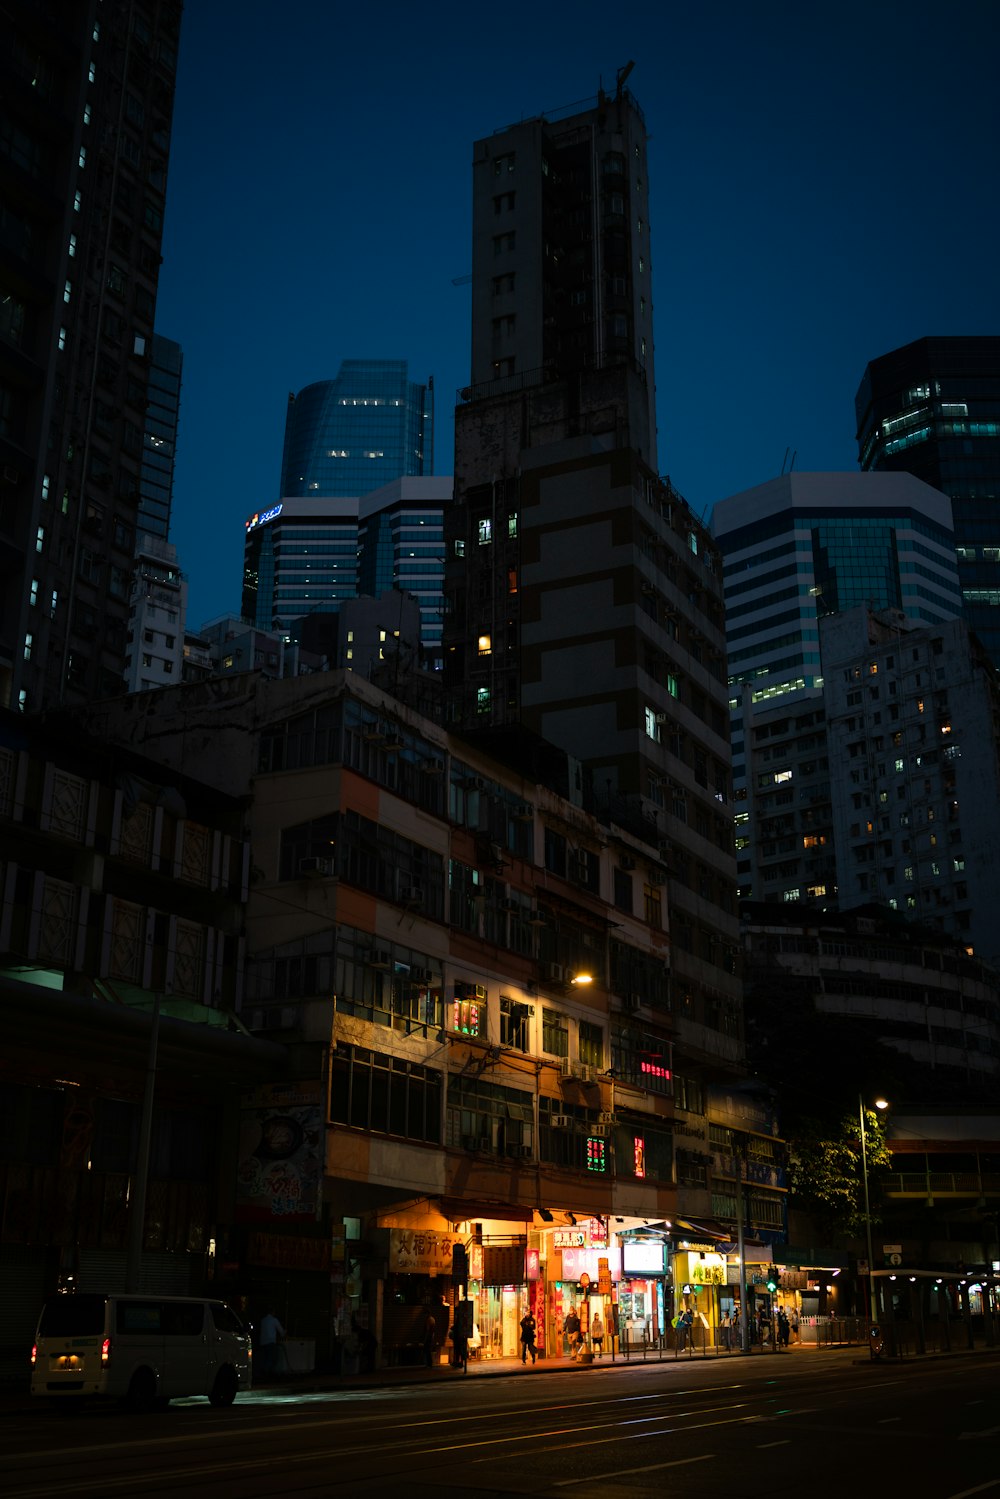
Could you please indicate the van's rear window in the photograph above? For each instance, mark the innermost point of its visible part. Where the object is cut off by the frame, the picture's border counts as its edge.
(72, 1317)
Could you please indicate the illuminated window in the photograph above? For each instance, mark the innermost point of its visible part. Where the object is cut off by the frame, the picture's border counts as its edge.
(485, 531)
(485, 645)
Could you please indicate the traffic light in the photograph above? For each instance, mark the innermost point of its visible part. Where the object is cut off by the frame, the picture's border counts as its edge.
(772, 1285)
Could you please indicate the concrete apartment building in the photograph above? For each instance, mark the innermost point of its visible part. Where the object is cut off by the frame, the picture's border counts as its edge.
(584, 598)
(470, 973)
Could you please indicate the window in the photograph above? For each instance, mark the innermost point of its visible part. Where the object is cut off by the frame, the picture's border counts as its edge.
(591, 1044)
(514, 1017)
(555, 1033)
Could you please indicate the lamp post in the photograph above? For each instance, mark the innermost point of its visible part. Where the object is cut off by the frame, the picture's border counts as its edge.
(880, 1103)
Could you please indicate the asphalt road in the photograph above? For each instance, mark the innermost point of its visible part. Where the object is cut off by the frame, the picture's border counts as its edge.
(815, 1428)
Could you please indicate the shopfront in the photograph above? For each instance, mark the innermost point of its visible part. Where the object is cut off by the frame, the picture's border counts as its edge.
(644, 1294)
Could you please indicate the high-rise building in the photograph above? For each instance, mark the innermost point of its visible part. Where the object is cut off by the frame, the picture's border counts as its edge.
(932, 408)
(156, 479)
(307, 556)
(796, 549)
(584, 600)
(913, 724)
(84, 142)
(350, 435)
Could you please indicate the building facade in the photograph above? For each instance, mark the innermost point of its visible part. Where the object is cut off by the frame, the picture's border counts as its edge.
(156, 478)
(122, 902)
(155, 638)
(584, 599)
(932, 408)
(305, 558)
(480, 970)
(350, 435)
(913, 725)
(796, 550)
(87, 106)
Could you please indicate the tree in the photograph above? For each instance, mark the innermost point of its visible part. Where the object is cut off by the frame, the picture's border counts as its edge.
(825, 1174)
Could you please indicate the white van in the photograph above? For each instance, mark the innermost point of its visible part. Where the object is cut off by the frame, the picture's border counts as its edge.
(141, 1349)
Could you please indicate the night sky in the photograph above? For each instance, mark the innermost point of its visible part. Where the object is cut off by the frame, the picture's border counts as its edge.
(823, 188)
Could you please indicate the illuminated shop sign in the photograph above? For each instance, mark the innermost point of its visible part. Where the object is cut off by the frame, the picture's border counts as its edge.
(465, 1017)
(655, 1069)
(597, 1153)
(639, 1155)
(642, 1257)
(262, 517)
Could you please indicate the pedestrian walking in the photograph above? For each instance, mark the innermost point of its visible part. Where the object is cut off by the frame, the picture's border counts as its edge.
(682, 1325)
(572, 1329)
(527, 1338)
(597, 1334)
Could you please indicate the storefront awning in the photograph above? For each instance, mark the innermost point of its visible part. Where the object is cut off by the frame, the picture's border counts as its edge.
(461, 1209)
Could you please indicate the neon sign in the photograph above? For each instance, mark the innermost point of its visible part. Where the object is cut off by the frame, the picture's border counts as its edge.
(597, 1153)
(465, 1016)
(262, 516)
(639, 1148)
(653, 1069)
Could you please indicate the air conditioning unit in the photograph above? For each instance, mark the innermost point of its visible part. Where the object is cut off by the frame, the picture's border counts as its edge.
(597, 1129)
(433, 767)
(626, 861)
(315, 869)
(411, 895)
(633, 1001)
(565, 1066)
(420, 975)
(380, 958)
(555, 972)
(666, 849)
(588, 1073)
(519, 1152)
(560, 1121)
(657, 877)
(662, 718)
(476, 1142)
(524, 812)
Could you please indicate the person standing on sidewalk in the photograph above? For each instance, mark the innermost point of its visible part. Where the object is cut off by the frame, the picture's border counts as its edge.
(271, 1334)
(527, 1338)
(430, 1329)
(597, 1334)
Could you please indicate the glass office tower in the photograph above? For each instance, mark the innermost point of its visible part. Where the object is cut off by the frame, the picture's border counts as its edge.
(932, 408)
(351, 435)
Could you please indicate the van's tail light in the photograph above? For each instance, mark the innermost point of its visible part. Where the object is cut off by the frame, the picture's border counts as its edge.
(34, 1352)
(105, 1350)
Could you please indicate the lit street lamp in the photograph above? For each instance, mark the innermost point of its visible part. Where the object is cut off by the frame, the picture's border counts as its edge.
(880, 1103)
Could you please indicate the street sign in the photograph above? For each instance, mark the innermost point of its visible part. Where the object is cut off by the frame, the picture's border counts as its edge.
(892, 1248)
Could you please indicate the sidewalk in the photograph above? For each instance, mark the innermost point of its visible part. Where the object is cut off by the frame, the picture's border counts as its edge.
(17, 1401)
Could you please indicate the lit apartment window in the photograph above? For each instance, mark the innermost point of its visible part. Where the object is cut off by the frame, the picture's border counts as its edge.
(82, 158)
(485, 645)
(27, 647)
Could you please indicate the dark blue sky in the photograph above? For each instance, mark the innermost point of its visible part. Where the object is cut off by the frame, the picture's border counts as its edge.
(823, 188)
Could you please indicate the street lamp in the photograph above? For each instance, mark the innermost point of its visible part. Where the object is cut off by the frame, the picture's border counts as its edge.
(880, 1103)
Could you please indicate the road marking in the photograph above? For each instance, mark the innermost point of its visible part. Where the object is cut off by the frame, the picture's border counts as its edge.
(979, 1489)
(888, 1420)
(977, 1436)
(680, 1462)
(762, 1446)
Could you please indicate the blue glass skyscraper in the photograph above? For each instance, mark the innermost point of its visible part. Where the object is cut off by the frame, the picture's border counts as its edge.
(353, 434)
